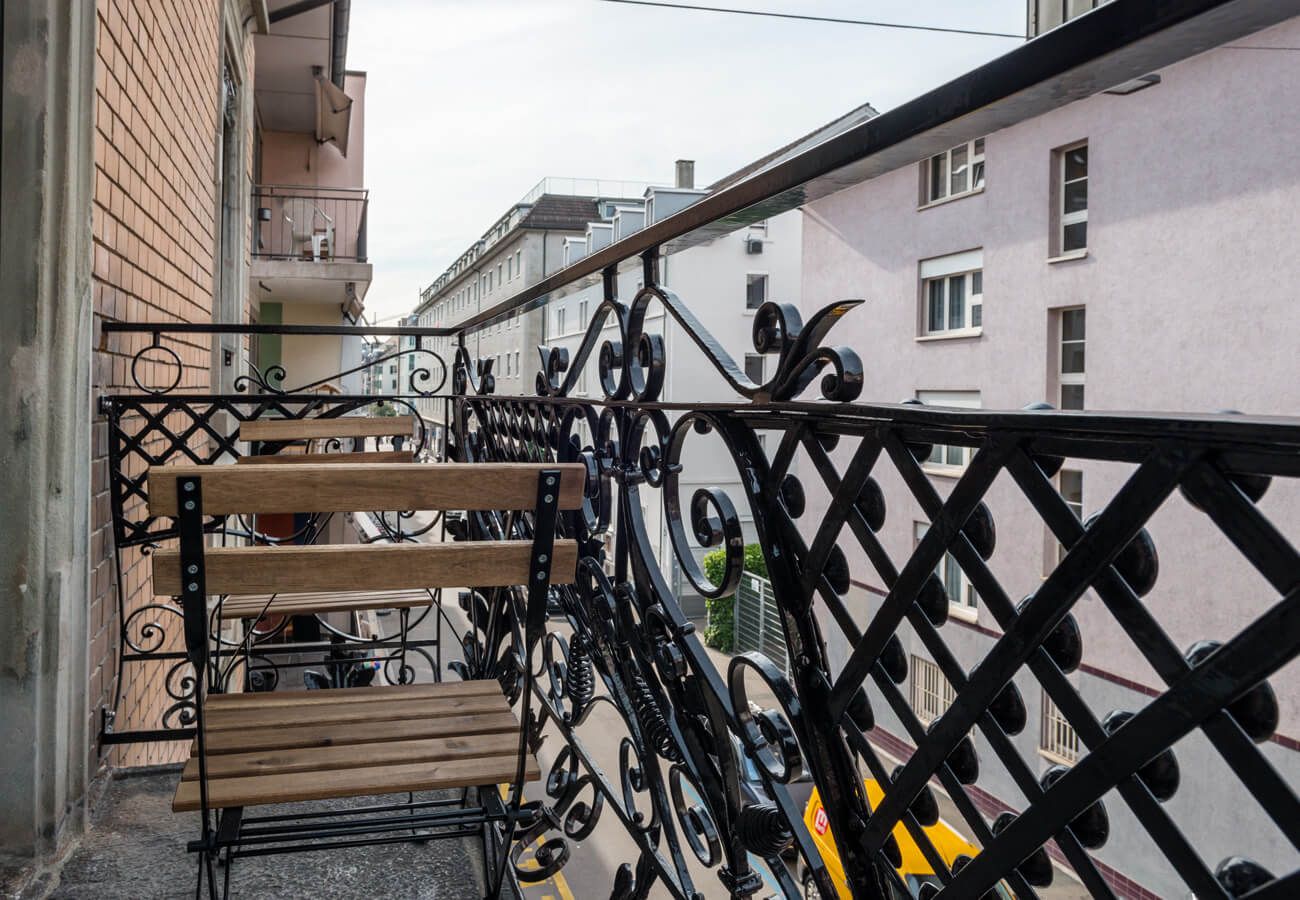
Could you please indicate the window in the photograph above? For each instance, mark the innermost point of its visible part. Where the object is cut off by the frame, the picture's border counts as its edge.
(392, 369)
(507, 363)
(1045, 15)
(952, 295)
(949, 459)
(932, 694)
(954, 172)
(1070, 484)
(410, 360)
(500, 281)
(518, 371)
(1071, 200)
(510, 268)
(754, 367)
(1073, 326)
(755, 291)
(559, 321)
(581, 385)
(519, 263)
(582, 313)
(1057, 740)
(961, 593)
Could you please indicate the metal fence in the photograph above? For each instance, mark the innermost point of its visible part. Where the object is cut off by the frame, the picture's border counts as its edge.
(758, 621)
(315, 224)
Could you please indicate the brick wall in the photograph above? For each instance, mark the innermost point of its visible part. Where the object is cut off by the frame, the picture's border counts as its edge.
(155, 220)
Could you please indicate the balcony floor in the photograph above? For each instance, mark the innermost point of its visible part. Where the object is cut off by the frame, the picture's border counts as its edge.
(136, 848)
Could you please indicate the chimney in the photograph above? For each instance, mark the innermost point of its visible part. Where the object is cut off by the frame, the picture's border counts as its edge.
(686, 173)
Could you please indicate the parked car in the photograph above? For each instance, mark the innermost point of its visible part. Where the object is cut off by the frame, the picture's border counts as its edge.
(915, 870)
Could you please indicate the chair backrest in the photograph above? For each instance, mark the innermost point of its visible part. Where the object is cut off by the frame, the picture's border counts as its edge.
(321, 427)
(194, 571)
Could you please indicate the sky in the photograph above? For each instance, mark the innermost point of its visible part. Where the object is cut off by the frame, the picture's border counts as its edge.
(469, 103)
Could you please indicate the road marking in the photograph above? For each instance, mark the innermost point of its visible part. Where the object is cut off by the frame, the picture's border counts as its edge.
(557, 882)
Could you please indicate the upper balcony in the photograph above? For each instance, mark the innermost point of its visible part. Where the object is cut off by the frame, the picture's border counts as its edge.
(309, 244)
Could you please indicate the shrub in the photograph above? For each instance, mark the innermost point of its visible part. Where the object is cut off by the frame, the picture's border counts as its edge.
(719, 633)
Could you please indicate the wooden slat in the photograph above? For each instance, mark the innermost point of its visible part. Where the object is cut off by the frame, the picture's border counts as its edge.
(354, 756)
(348, 487)
(299, 459)
(317, 735)
(217, 704)
(331, 783)
(352, 567)
(307, 604)
(326, 427)
(351, 713)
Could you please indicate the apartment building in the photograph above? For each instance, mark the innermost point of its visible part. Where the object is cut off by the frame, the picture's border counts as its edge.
(1120, 252)
(523, 246)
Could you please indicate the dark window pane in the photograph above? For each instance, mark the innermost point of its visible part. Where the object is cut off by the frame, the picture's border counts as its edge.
(754, 367)
(1074, 237)
(976, 315)
(1076, 196)
(1076, 163)
(952, 580)
(938, 175)
(935, 318)
(1072, 324)
(1072, 353)
(1072, 487)
(957, 301)
(955, 455)
(936, 455)
(979, 146)
(755, 291)
(1071, 396)
(977, 282)
(977, 175)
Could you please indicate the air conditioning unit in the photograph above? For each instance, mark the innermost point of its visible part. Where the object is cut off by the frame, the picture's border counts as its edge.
(753, 246)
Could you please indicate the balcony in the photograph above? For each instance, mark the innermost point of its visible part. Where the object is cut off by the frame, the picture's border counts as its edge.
(669, 768)
(309, 244)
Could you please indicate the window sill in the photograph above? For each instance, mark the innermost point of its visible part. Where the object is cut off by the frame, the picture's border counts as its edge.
(951, 335)
(950, 198)
(1068, 257)
(1055, 758)
(965, 613)
(944, 471)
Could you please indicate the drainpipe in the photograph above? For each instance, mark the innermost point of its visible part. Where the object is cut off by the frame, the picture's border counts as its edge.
(338, 65)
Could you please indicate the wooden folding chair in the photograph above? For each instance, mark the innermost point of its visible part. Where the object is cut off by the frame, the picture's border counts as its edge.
(291, 746)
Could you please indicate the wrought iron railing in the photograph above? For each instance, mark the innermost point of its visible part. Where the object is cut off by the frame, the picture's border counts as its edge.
(621, 657)
(316, 224)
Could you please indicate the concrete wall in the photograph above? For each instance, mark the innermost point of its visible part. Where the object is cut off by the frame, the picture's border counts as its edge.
(1191, 241)
(46, 87)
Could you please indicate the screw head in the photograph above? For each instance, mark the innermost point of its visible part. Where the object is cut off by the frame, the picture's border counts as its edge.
(193, 586)
(189, 485)
(541, 576)
(548, 498)
(192, 569)
(542, 557)
(550, 482)
(189, 504)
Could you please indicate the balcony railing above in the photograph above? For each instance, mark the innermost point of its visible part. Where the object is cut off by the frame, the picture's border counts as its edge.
(314, 224)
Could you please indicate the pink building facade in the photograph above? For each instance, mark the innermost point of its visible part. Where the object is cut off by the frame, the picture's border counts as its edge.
(1134, 250)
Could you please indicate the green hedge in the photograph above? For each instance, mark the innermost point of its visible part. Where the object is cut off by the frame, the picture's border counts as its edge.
(719, 633)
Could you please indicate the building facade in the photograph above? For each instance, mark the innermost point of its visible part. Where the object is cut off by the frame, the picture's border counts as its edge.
(1118, 253)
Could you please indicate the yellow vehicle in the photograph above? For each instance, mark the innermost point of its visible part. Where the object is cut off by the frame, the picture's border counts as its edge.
(915, 870)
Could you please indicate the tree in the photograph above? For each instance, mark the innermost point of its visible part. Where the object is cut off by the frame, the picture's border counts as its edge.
(720, 632)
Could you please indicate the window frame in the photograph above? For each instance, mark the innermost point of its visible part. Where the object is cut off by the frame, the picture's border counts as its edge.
(1063, 219)
(974, 158)
(967, 265)
(944, 468)
(1071, 379)
(1057, 739)
(966, 609)
(928, 681)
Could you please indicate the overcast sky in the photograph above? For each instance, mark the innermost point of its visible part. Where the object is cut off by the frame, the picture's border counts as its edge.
(470, 102)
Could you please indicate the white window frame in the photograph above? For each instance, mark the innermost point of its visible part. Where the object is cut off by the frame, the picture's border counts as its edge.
(1076, 506)
(1057, 739)
(967, 607)
(767, 289)
(582, 315)
(975, 151)
(559, 321)
(949, 460)
(932, 694)
(1064, 219)
(1064, 378)
(968, 267)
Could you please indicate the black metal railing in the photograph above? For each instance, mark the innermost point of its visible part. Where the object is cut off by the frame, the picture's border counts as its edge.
(315, 224)
(701, 786)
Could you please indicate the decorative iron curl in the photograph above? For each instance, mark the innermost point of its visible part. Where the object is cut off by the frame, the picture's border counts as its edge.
(139, 357)
(152, 633)
(262, 380)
